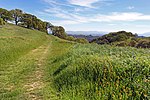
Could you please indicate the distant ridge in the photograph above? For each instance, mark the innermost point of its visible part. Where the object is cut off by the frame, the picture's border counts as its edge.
(87, 37)
(93, 33)
(147, 34)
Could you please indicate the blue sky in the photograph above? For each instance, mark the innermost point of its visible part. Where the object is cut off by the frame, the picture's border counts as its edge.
(89, 15)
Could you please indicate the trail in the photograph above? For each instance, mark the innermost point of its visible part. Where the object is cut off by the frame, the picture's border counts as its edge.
(9, 37)
(34, 81)
(30, 76)
(25, 75)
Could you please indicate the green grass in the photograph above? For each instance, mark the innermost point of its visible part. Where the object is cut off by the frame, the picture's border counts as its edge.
(21, 57)
(15, 62)
(69, 71)
(15, 41)
(94, 72)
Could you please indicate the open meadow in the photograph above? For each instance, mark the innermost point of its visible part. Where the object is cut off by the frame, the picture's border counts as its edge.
(34, 65)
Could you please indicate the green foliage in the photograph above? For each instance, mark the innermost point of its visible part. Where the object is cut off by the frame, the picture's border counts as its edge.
(92, 72)
(59, 31)
(2, 22)
(17, 15)
(81, 40)
(27, 20)
(145, 43)
(24, 19)
(135, 42)
(114, 37)
(5, 15)
(123, 38)
(32, 22)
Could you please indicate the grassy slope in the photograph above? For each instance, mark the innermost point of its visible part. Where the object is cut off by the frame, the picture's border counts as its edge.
(16, 41)
(34, 65)
(24, 63)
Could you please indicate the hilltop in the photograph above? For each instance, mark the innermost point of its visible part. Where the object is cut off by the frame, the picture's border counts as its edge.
(123, 38)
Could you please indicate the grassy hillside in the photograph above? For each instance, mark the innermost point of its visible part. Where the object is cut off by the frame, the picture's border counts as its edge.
(25, 56)
(34, 65)
(15, 41)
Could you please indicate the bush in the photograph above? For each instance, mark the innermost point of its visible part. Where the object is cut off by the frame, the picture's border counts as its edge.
(59, 31)
(132, 43)
(2, 22)
(81, 40)
(122, 44)
(143, 44)
(70, 38)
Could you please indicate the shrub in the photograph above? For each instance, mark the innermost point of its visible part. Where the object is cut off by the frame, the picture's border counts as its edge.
(70, 38)
(143, 44)
(59, 31)
(81, 40)
(122, 44)
(132, 43)
(1, 21)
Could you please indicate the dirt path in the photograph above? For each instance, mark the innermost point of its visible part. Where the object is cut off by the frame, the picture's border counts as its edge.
(30, 78)
(34, 81)
(25, 75)
(9, 37)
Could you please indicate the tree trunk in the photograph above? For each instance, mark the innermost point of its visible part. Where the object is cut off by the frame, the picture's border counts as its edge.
(16, 22)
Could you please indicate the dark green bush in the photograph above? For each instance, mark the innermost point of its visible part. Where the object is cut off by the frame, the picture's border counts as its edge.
(1, 21)
(59, 31)
(143, 44)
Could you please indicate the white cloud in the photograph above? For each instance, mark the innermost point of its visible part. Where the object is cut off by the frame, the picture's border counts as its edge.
(70, 16)
(78, 9)
(85, 3)
(130, 7)
(66, 18)
(64, 22)
(73, 3)
(125, 16)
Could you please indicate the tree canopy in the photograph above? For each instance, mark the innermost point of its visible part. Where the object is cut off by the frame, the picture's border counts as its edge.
(30, 21)
(16, 15)
(24, 19)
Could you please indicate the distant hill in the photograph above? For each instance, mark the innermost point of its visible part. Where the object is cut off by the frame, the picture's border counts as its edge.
(88, 37)
(114, 37)
(123, 38)
(93, 33)
(147, 34)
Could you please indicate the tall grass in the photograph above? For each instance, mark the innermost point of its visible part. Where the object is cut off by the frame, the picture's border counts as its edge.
(95, 72)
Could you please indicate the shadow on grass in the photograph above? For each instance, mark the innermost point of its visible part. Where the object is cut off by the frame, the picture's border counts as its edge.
(62, 67)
